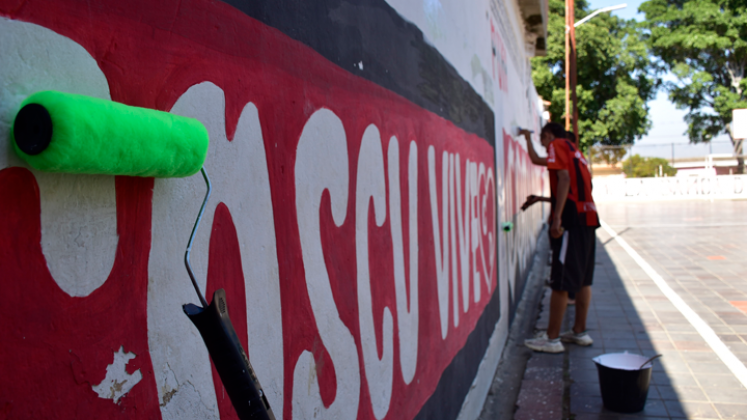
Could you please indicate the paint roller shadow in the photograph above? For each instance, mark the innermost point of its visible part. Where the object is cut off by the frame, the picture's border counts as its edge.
(617, 326)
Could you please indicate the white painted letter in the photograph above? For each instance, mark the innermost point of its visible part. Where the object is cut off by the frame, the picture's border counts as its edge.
(463, 224)
(322, 163)
(238, 171)
(453, 243)
(407, 320)
(370, 184)
(475, 222)
(439, 246)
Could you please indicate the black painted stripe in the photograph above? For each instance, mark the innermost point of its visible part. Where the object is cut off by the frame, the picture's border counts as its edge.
(446, 401)
(392, 50)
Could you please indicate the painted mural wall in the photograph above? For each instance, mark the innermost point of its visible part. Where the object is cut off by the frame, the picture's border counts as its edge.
(363, 159)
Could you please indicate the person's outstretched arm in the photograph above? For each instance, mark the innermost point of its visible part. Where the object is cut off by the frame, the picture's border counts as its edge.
(532, 199)
(530, 148)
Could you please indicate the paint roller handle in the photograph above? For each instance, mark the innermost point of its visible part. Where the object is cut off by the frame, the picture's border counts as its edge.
(230, 359)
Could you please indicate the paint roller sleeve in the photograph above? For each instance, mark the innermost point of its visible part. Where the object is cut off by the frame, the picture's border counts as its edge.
(62, 132)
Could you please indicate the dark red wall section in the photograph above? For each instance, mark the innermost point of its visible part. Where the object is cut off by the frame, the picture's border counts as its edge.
(55, 347)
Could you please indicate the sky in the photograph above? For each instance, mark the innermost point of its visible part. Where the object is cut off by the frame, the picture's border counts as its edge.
(668, 121)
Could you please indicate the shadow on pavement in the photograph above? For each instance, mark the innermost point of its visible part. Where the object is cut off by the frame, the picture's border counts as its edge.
(616, 325)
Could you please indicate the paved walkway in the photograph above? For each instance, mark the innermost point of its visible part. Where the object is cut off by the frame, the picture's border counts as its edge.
(698, 249)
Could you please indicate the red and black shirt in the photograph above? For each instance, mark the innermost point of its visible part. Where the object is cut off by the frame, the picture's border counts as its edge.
(579, 209)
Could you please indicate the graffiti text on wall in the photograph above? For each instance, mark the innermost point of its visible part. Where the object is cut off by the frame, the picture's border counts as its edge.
(522, 178)
(357, 245)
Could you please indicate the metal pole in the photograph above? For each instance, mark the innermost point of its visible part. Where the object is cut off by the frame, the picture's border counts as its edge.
(574, 99)
(568, 23)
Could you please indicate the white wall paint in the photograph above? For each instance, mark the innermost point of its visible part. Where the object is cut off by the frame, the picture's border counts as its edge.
(407, 319)
(322, 163)
(238, 171)
(78, 212)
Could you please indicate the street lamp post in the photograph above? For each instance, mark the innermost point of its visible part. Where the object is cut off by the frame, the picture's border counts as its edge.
(570, 60)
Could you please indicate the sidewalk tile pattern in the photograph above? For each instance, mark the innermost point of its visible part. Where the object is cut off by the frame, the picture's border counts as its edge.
(630, 313)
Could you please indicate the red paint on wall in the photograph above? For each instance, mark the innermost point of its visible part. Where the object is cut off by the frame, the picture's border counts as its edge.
(56, 347)
(225, 272)
(151, 53)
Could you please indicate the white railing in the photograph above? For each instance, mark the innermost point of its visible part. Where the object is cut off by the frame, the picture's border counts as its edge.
(708, 187)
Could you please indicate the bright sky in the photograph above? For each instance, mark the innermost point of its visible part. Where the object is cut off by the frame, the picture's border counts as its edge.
(668, 122)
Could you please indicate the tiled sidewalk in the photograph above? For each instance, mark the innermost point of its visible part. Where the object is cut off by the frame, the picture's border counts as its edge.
(630, 313)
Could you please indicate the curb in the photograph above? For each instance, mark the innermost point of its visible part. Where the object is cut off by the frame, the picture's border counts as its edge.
(506, 386)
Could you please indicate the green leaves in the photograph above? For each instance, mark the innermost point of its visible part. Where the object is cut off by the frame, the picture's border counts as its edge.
(704, 44)
(641, 167)
(615, 76)
(624, 116)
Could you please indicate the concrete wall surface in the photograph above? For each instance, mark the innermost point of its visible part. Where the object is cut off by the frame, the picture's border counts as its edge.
(364, 160)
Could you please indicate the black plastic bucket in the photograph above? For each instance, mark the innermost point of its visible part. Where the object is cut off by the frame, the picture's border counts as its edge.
(624, 384)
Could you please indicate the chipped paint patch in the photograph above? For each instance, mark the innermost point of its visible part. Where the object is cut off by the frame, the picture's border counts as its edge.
(118, 382)
(167, 395)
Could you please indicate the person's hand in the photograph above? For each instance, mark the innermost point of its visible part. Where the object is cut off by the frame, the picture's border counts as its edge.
(524, 132)
(556, 231)
(531, 199)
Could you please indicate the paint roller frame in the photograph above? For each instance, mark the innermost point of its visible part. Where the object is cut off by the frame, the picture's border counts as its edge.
(192, 237)
(228, 355)
(33, 132)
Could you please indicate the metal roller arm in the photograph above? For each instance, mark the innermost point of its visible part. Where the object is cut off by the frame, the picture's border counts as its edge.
(192, 237)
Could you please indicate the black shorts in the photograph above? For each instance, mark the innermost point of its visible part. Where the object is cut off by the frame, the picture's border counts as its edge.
(573, 256)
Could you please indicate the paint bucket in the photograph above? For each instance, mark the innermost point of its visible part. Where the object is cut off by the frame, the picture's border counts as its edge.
(624, 379)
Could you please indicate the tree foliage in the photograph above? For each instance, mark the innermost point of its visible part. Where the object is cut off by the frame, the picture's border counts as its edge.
(704, 44)
(609, 155)
(646, 167)
(614, 76)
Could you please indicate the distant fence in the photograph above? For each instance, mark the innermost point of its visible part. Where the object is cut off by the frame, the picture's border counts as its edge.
(676, 154)
(670, 188)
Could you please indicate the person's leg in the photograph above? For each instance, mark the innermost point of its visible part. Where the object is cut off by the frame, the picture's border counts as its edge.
(558, 303)
(571, 298)
(583, 298)
(548, 341)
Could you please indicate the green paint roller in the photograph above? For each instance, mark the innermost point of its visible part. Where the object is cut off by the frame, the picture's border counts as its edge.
(62, 132)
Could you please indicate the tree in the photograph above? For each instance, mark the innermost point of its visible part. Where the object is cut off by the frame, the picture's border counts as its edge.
(704, 44)
(646, 167)
(614, 76)
(610, 155)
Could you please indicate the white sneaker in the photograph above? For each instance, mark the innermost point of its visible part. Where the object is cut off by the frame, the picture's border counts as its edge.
(582, 339)
(544, 344)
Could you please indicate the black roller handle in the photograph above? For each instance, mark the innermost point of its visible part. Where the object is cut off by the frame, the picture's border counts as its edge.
(230, 359)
